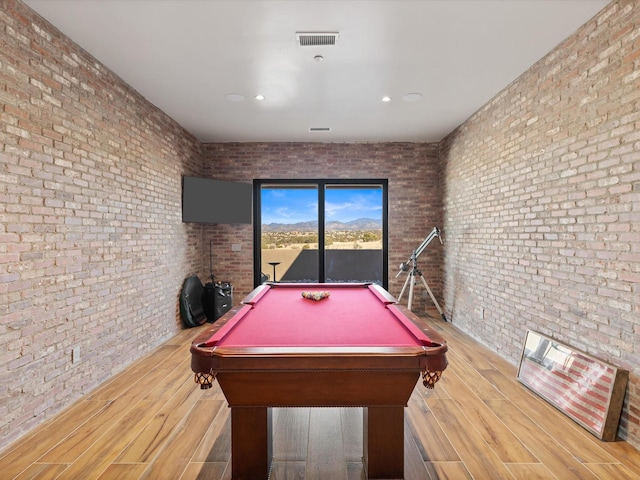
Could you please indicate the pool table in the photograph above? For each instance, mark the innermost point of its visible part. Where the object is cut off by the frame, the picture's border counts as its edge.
(356, 347)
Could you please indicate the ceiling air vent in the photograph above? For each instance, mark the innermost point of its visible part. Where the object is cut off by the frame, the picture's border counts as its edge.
(317, 39)
(319, 129)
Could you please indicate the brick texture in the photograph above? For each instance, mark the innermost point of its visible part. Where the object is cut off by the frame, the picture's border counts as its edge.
(415, 193)
(92, 247)
(542, 204)
(537, 195)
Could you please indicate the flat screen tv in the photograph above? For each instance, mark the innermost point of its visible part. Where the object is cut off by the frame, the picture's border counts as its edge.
(205, 200)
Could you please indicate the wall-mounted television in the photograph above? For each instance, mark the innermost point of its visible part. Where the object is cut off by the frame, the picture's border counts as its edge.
(205, 200)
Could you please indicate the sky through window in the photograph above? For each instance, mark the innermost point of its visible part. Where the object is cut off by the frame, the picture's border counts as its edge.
(293, 205)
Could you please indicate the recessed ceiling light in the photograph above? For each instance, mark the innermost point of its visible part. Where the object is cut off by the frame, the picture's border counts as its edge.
(259, 97)
(318, 58)
(234, 97)
(386, 99)
(412, 97)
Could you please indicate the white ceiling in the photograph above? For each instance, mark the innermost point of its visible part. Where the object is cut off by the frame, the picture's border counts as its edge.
(186, 55)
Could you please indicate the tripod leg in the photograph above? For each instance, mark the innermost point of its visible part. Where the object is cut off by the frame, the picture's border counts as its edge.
(433, 298)
(404, 287)
(411, 286)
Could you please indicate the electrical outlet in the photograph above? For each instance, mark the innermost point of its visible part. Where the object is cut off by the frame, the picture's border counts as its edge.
(75, 355)
(236, 247)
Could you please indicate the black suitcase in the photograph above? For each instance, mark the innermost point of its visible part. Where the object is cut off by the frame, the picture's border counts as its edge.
(217, 300)
(209, 302)
(224, 298)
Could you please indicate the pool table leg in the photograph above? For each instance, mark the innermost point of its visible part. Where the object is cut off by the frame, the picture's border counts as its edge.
(251, 443)
(384, 442)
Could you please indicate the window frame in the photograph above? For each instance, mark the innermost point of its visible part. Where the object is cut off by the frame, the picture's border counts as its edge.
(321, 185)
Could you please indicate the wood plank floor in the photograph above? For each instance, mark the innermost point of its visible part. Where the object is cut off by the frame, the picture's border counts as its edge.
(152, 422)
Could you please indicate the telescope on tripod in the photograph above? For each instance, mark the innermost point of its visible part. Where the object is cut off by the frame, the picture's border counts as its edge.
(411, 266)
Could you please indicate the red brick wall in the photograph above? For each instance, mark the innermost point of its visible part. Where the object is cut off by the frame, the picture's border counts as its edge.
(415, 190)
(542, 204)
(92, 247)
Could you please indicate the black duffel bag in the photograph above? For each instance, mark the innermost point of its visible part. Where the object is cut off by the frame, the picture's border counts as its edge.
(191, 308)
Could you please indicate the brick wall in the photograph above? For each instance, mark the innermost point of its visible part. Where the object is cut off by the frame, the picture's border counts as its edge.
(415, 190)
(92, 248)
(539, 189)
(542, 204)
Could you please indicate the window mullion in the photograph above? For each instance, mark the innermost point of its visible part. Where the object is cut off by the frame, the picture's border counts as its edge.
(321, 231)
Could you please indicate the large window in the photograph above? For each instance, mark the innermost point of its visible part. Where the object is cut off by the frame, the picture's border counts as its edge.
(320, 231)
